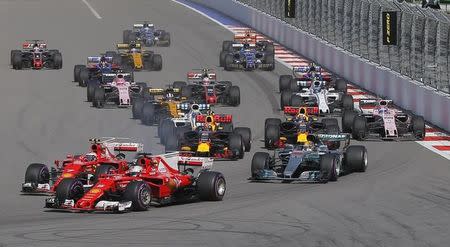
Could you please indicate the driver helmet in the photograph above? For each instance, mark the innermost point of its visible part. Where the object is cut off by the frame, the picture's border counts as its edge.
(146, 29)
(135, 170)
(169, 96)
(103, 62)
(312, 66)
(90, 156)
(119, 79)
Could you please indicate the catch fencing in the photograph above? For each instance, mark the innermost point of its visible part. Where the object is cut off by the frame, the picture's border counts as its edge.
(423, 49)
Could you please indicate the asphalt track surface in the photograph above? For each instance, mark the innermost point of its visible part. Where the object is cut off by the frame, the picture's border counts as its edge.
(402, 200)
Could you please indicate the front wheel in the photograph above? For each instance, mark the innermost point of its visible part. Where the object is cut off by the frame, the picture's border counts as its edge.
(139, 193)
(69, 189)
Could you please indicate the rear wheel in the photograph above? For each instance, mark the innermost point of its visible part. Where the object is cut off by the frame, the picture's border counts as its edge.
(296, 101)
(246, 134)
(270, 61)
(222, 56)
(260, 162)
(186, 91)
(355, 158)
(157, 62)
(285, 99)
(211, 186)
(271, 135)
(136, 108)
(228, 62)
(418, 127)
(84, 77)
(13, 52)
(57, 61)
(359, 130)
(166, 128)
(226, 45)
(234, 96)
(139, 193)
(285, 82)
(347, 102)
(341, 85)
(99, 97)
(172, 143)
(330, 121)
(76, 72)
(166, 39)
(236, 145)
(17, 61)
(272, 121)
(90, 90)
(148, 114)
(347, 120)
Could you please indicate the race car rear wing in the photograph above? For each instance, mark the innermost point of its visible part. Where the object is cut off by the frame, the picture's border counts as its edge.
(242, 45)
(96, 60)
(330, 138)
(29, 44)
(249, 37)
(162, 91)
(142, 25)
(218, 118)
(191, 106)
(291, 110)
(118, 144)
(123, 47)
(199, 76)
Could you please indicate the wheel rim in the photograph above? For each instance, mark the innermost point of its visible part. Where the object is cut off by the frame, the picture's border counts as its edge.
(44, 175)
(221, 187)
(337, 167)
(145, 196)
(365, 160)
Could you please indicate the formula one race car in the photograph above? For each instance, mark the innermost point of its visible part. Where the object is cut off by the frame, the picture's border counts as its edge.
(133, 57)
(186, 119)
(310, 162)
(296, 128)
(324, 100)
(146, 34)
(302, 77)
(157, 104)
(105, 154)
(203, 88)
(376, 119)
(210, 140)
(160, 179)
(34, 55)
(119, 91)
(95, 67)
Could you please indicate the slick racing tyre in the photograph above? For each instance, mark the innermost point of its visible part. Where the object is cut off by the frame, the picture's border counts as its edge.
(76, 72)
(246, 135)
(347, 120)
(211, 186)
(359, 130)
(37, 174)
(260, 162)
(341, 85)
(271, 135)
(418, 127)
(272, 121)
(285, 99)
(84, 77)
(234, 98)
(139, 193)
(236, 145)
(148, 114)
(157, 62)
(99, 98)
(347, 102)
(328, 168)
(284, 82)
(136, 108)
(69, 189)
(355, 158)
(171, 144)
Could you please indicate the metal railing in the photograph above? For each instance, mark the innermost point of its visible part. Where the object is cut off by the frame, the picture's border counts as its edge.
(423, 49)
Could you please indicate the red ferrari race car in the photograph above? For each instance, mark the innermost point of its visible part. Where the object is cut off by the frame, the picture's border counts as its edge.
(158, 179)
(204, 88)
(34, 55)
(105, 154)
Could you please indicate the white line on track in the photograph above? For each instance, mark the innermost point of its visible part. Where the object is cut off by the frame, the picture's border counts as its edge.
(94, 12)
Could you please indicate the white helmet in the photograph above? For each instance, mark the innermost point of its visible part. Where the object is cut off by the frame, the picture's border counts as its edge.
(135, 170)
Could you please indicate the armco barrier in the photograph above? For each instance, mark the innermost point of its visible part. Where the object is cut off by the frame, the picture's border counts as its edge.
(408, 94)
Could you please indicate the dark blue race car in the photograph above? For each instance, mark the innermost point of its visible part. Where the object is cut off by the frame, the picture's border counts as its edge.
(146, 34)
(248, 56)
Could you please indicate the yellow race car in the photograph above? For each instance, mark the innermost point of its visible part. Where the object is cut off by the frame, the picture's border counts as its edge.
(133, 57)
(156, 104)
